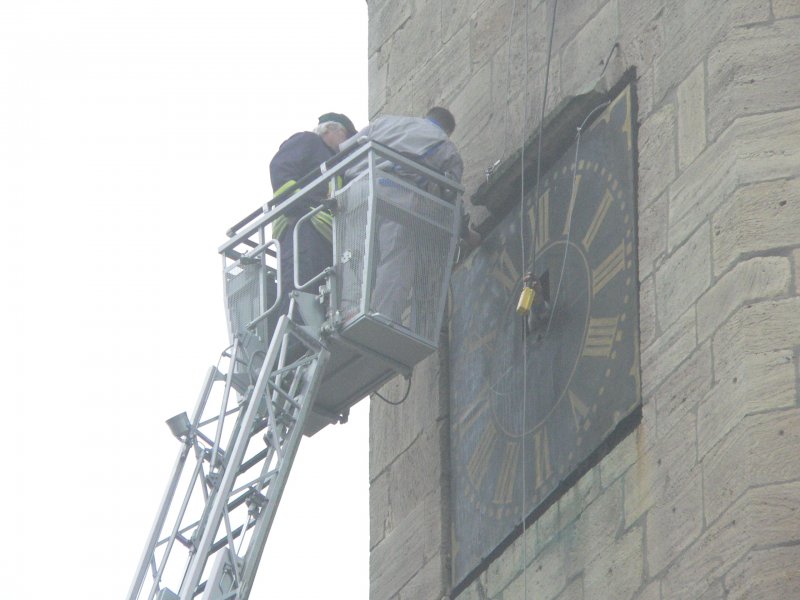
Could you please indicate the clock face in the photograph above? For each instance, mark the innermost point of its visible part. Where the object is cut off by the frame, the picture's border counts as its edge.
(533, 396)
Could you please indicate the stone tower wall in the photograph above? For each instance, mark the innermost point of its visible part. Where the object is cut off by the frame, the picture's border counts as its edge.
(703, 499)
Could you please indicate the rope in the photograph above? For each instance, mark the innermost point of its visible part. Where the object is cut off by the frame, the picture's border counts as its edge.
(524, 509)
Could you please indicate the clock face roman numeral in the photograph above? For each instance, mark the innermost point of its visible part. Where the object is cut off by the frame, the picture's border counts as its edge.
(543, 468)
(543, 231)
(576, 183)
(506, 272)
(504, 491)
(600, 336)
(472, 413)
(597, 220)
(479, 461)
(611, 265)
(580, 411)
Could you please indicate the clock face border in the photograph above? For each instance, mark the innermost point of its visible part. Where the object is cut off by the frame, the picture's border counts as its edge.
(487, 442)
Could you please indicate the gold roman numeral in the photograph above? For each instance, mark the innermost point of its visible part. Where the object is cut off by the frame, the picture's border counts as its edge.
(473, 412)
(479, 461)
(600, 337)
(506, 271)
(613, 264)
(575, 185)
(597, 220)
(543, 231)
(504, 492)
(477, 344)
(541, 456)
(580, 410)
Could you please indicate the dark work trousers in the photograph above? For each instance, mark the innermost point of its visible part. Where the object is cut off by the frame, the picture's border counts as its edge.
(315, 254)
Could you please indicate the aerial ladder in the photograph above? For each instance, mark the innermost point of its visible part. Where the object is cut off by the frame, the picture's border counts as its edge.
(288, 375)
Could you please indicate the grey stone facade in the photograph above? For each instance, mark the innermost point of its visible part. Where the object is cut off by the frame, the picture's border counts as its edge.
(703, 499)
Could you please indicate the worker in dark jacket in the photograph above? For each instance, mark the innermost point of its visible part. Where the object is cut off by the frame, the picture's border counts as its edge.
(298, 156)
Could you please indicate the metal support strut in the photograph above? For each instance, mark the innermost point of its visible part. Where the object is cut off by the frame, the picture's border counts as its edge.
(218, 514)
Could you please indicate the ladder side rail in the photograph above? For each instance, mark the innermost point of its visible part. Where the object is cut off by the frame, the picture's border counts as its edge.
(372, 224)
(173, 536)
(266, 516)
(224, 486)
(259, 218)
(418, 167)
(296, 266)
(451, 259)
(224, 406)
(166, 501)
(263, 218)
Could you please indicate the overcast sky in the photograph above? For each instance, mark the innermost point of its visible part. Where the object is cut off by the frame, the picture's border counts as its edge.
(132, 135)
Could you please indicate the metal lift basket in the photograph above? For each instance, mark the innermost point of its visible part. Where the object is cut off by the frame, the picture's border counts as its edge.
(374, 313)
(394, 241)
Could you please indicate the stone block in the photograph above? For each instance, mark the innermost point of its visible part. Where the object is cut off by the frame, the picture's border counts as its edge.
(385, 18)
(675, 521)
(398, 99)
(767, 573)
(379, 508)
(700, 567)
(653, 220)
(750, 281)
(785, 8)
(683, 277)
(619, 460)
(583, 58)
(692, 28)
(548, 526)
(656, 154)
(594, 531)
(377, 70)
(641, 32)
(417, 41)
(796, 262)
(650, 592)
(715, 591)
(510, 83)
(436, 80)
(645, 90)
(573, 591)
(669, 350)
(456, 16)
(406, 549)
(648, 329)
(578, 497)
(505, 569)
(752, 149)
(681, 391)
(543, 579)
(762, 449)
(472, 107)
(661, 472)
(755, 329)
(508, 78)
(764, 515)
(759, 218)
(619, 568)
(392, 429)
(489, 27)
(572, 16)
(416, 473)
(475, 591)
(429, 583)
(749, 72)
(691, 117)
